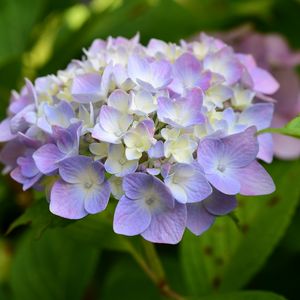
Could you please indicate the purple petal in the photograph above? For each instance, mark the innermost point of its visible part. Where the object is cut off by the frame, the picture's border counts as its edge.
(31, 92)
(72, 169)
(226, 181)
(198, 218)
(167, 226)
(259, 115)
(27, 182)
(28, 166)
(5, 132)
(209, 152)
(67, 200)
(131, 217)
(263, 81)
(220, 204)
(67, 140)
(241, 148)
(266, 149)
(157, 150)
(182, 112)
(161, 74)
(187, 183)
(59, 114)
(113, 124)
(187, 69)
(18, 122)
(150, 76)
(138, 68)
(47, 157)
(255, 180)
(97, 200)
(86, 88)
(224, 63)
(135, 185)
(9, 154)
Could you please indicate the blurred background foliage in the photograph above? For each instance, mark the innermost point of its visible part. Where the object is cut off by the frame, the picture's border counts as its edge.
(257, 248)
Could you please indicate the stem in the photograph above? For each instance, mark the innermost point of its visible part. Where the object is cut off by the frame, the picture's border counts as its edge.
(141, 262)
(153, 259)
(154, 269)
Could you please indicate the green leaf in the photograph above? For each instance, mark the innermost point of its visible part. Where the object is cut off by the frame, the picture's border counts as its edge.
(133, 285)
(17, 18)
(54, 267)
(246, 295)
(94, 230)
(227, 256)
(39, 217)
(291, 129)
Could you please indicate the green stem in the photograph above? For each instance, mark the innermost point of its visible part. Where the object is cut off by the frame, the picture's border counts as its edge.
(154, 269)
(153, 259)
(152, 266)
(140, 261)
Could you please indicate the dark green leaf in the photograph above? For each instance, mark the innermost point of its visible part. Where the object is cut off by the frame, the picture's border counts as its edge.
(39, 217)
(126, 281)
(251, 295)
(96, 230)
(225, 258)
(53, 267)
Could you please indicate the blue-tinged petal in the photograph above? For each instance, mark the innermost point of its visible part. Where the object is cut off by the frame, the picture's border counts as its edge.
(47, 157)
(86, 88)
(198, 218)
(255, 180)
(136, 185)
(113, 125)
(241, 148)
(259, 115)
(181, 112)
(73, 169)
(266, 147)
(220, 204)
(187, 69)
(167, 226)
(157, 150)
(225, 64)
(27, 182)
(28, 166)
(67, 200)
(59, 114)
(188, 183)
(131, 217)
(225, 181)
(5, 131)
(96, 198)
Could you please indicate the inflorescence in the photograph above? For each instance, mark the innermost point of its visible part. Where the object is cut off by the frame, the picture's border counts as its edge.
(169, 130)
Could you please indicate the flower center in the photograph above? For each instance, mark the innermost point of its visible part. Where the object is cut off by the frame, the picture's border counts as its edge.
(88, 185)
(150, 201)
(221, 168)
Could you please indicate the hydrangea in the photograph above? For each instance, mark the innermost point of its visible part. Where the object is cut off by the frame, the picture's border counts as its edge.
(168, 130)
(274, 55)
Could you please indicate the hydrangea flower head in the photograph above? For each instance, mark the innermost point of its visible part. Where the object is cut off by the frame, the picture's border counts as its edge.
(172, 127)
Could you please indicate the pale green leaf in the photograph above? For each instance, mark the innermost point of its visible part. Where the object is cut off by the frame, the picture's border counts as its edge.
(227, 256)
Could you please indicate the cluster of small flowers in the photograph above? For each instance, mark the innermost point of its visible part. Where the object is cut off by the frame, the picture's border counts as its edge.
(274, 55)
(169, 130)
